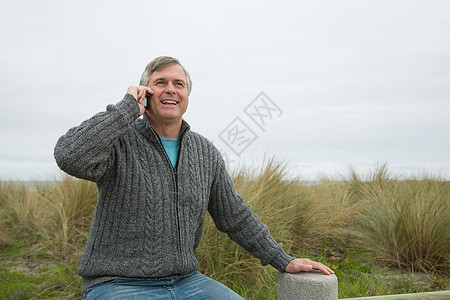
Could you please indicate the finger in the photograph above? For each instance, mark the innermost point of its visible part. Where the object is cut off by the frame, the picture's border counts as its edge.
(324, 269)
(149, 90)
(140, 94)
(132, 90)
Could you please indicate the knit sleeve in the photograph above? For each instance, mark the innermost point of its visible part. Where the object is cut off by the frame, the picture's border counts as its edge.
(87, 151)
(232, 216)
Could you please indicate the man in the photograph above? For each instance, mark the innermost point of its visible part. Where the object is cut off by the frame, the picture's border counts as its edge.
(156, 179)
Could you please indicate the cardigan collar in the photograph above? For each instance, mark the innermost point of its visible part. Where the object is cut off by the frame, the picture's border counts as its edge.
(147, 129)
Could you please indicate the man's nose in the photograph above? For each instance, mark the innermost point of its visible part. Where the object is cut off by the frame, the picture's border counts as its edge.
(170, 88)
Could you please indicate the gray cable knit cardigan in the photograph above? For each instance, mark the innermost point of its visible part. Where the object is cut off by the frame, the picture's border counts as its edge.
(149, 216)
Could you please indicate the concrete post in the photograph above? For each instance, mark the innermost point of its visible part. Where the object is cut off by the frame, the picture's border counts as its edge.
(307, 286)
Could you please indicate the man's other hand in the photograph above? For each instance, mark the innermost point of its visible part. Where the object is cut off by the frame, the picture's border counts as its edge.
(306, 265)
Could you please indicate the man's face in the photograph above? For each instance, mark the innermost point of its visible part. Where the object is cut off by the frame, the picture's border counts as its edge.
(170, 100)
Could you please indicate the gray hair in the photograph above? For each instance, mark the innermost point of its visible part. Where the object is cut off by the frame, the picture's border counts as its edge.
(160, 63)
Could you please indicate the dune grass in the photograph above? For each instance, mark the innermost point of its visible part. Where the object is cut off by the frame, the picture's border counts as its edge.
(380, 234)
(403, 224)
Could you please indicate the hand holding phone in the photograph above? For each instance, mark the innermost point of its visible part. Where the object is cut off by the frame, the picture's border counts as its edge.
(142, 95)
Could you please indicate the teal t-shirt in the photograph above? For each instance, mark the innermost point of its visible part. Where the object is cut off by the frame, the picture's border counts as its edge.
(170, 144)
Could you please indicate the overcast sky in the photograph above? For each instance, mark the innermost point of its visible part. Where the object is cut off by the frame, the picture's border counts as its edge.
(344, 83)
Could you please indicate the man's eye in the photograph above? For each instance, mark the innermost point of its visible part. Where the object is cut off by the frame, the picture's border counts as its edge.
(180, 84)
(159, 82)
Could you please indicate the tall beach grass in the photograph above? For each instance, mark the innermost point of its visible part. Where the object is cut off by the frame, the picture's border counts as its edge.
(403, 223)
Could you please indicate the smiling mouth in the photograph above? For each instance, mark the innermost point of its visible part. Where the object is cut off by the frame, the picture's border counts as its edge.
(169, 102)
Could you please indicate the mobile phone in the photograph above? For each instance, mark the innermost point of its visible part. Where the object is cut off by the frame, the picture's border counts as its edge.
(146, 102)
